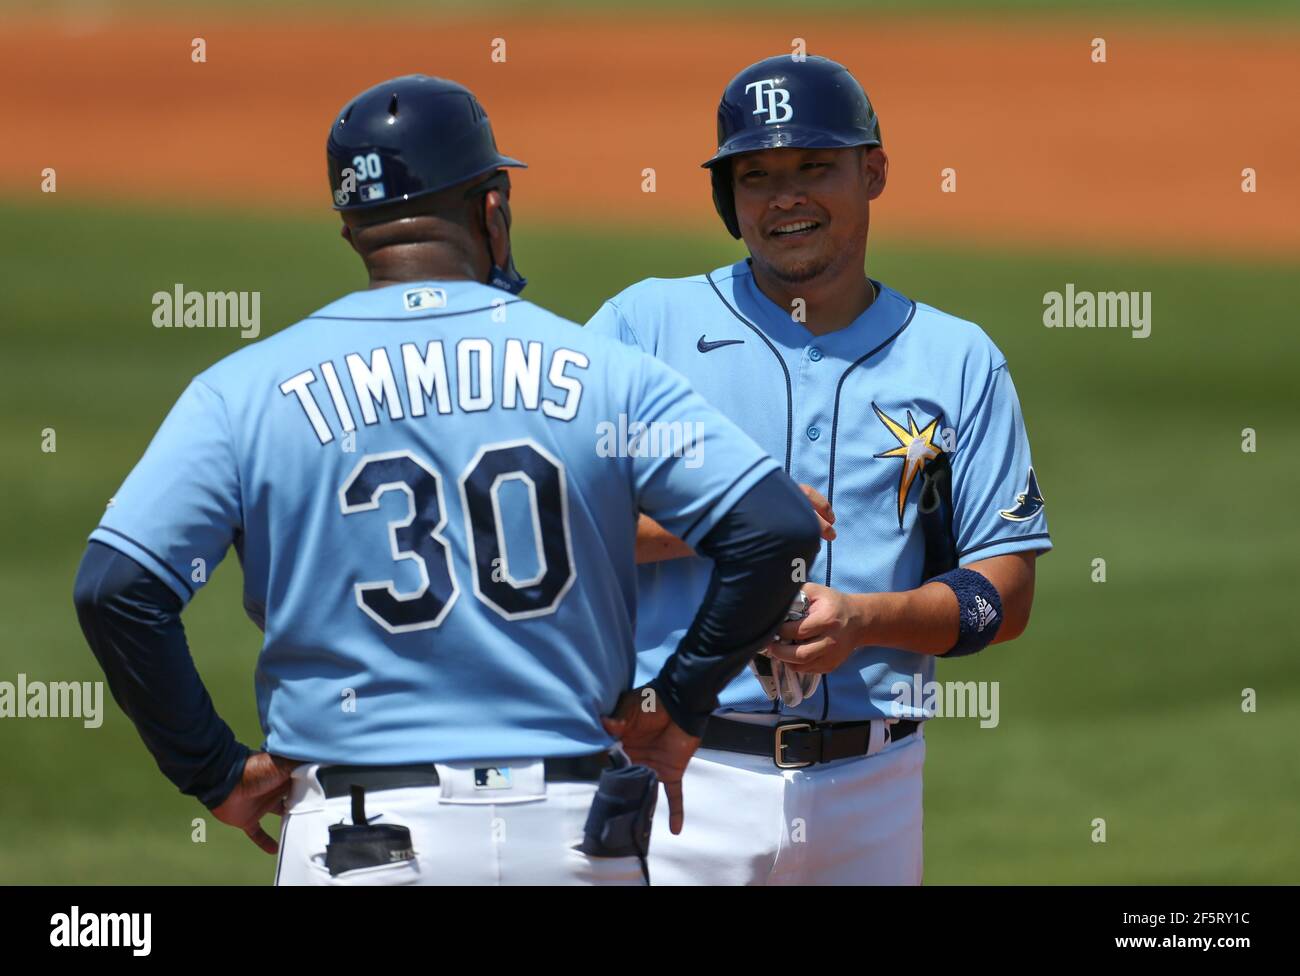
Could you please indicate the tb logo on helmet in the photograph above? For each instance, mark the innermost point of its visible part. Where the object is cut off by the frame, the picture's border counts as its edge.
(777, 99)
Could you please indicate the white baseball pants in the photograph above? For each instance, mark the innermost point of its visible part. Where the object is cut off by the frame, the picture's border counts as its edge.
(854, 821)
(522, 833)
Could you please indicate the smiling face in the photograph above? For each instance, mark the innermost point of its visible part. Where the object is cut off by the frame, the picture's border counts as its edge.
(804, 212)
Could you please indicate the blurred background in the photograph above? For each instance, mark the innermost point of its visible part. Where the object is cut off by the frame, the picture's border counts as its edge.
(1124, 700)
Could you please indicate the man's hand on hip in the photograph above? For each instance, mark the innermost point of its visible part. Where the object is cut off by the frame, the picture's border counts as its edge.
(261, 790)
(650, 737)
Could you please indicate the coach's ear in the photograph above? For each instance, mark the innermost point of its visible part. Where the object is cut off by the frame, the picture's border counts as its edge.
(346, 231)
(875, 169)
(496, 220)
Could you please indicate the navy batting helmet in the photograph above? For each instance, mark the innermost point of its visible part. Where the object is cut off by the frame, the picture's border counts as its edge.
(807, 103)
(406, 138)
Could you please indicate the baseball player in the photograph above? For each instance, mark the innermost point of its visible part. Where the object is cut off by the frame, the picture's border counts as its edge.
(439, 553)
(902, 423)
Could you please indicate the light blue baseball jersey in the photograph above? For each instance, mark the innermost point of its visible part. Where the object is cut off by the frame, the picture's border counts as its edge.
(433, 490)
(856, 414)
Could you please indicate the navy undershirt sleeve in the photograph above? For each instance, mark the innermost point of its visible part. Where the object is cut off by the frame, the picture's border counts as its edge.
(754, 548)
(132, 621)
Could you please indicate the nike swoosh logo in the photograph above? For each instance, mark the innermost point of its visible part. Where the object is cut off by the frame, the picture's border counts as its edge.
(703, 346)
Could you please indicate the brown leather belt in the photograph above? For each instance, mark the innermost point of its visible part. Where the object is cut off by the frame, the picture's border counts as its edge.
(797, 743)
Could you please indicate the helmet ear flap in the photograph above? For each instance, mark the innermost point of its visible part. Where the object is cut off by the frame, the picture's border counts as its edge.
(724, 196)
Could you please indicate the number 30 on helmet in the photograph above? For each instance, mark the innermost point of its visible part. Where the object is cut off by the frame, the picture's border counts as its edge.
(406, 138)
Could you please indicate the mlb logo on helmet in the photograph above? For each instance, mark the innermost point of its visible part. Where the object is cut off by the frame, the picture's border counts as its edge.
(371, 191)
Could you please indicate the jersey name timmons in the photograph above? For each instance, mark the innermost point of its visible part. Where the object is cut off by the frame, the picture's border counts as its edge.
(419, 380)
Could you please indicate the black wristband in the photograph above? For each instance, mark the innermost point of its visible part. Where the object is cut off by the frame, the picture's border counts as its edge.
(979, 610)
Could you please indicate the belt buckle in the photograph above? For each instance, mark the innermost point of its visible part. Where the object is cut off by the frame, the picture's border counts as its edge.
(778, 749)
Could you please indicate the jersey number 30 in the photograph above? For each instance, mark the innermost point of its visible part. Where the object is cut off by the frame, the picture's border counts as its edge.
(417, 537)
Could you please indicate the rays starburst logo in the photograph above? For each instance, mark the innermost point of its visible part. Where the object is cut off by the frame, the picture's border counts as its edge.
(916, 446)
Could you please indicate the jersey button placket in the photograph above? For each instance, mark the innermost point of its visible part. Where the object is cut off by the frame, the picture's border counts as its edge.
(812, 431)
(811, 455)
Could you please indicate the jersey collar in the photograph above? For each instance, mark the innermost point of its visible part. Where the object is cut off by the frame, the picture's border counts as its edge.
(882, 319)
(416, 299)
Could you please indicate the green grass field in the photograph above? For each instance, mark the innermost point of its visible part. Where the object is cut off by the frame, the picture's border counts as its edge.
(1122, 702)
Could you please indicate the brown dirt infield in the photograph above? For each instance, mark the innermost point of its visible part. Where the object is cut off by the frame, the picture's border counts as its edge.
(1144, 151)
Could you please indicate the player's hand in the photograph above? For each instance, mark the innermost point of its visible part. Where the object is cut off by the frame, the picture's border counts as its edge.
(650, 737)
(824, 639)
(261, 790)
(825, 517)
